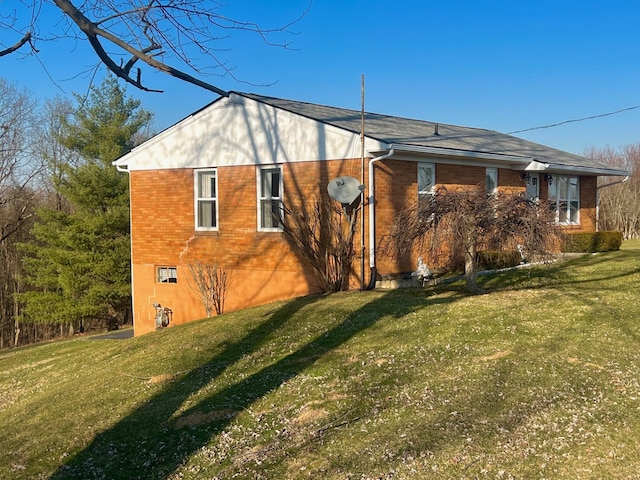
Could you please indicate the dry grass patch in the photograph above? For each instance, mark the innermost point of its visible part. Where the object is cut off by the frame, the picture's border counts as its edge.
(495, 356)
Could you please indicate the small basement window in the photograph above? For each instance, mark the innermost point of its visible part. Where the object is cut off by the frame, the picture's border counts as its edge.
(167, 274)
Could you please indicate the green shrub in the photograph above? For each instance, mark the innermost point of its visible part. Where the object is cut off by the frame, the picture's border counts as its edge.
(497, 259)
(591, 242)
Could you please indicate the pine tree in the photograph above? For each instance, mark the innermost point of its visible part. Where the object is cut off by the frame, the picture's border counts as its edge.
(79, 266)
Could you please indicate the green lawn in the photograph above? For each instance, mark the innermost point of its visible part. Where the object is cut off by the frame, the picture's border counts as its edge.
(536, 378)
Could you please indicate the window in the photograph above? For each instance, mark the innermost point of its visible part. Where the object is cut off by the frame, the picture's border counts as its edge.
(167, 274)
(564, 196)
(206, 200)
(426, 182)
(270, 208)
(491, 180)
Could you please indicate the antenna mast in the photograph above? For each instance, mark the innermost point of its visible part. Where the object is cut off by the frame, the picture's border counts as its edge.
(362, 194)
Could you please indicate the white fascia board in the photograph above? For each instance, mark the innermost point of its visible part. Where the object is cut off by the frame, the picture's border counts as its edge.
(462, 154)
(462, 157)
(414, 153)
(537, 166)
(578, 170)
(241, 131)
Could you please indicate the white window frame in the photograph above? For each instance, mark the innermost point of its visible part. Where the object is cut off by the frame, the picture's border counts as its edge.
(491, 175)
(563, 202)
(198, 200)
(426, 189)
(264, 197)
(166, 274)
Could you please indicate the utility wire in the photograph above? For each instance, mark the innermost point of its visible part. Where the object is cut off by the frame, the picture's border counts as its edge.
(575, 120)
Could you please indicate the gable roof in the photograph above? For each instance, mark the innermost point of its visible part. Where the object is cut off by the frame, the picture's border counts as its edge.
(250, 129)
(411, 135)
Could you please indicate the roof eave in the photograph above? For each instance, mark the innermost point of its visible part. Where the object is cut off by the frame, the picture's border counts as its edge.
(597, 171)
(450, 152)
(519, 163)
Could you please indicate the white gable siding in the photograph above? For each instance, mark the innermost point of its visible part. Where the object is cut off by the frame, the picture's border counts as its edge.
(241, 131)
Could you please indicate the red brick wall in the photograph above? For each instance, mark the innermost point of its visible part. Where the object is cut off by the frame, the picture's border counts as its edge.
(263, 265)
(588, 187)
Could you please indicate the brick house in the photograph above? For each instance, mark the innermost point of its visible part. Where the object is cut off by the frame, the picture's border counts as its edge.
(202, 188)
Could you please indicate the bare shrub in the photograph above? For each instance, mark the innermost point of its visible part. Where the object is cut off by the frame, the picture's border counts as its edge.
(454, 225)
(322, 234)
(211, 283)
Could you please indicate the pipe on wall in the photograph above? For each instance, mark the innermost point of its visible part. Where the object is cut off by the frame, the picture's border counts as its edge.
(372, 218)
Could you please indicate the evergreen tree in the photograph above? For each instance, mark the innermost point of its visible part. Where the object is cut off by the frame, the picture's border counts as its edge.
(79, 266)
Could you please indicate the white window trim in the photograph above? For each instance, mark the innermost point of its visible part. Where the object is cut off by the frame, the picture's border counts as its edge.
(196, 199)
(260, 198)
(558, 200)
(164, 274)
(432, 167)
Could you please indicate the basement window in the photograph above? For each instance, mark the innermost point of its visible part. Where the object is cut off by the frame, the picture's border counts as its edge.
(167, 274)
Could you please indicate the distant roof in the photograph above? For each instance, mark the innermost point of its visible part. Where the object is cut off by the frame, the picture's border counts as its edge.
(419, 133)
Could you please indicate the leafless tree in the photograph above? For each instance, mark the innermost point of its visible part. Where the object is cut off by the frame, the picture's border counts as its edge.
(211, 283)
(124, 34)
(18, 165)
(619, 202)
(322, 232)
(465, 221)
(18, 197)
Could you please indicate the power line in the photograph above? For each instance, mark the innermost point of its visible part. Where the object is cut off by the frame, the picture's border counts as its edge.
(575, 120)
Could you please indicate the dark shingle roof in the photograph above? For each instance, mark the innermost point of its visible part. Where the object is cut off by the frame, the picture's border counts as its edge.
(420, 133)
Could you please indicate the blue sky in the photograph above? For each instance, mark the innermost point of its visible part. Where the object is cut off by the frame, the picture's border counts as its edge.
(502, 65)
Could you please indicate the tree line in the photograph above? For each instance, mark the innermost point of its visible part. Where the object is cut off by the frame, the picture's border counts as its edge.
(619, 206)
(64, 212)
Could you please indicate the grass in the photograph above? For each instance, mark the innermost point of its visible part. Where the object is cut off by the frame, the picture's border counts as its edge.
(536, 378)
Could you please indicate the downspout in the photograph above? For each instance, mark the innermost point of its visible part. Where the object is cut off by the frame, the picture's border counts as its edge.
(372, 218)
(617, 182)
(126, 170)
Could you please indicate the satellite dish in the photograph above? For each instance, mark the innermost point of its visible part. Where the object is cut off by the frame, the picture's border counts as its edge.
(345, 190)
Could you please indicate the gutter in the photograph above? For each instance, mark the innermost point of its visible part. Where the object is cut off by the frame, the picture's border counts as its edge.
(600, 171)
(372, 217)
(450, 152)
(611, 184)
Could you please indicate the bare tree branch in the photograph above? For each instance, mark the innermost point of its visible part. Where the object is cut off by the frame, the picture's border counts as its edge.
(129, 33)
(92, 31)
(26, 38)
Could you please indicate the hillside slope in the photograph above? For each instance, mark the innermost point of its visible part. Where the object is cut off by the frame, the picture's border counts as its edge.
(537, 378)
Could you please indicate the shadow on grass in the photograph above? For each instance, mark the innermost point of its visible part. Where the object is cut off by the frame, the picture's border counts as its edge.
(147, 444)
(542, 276)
